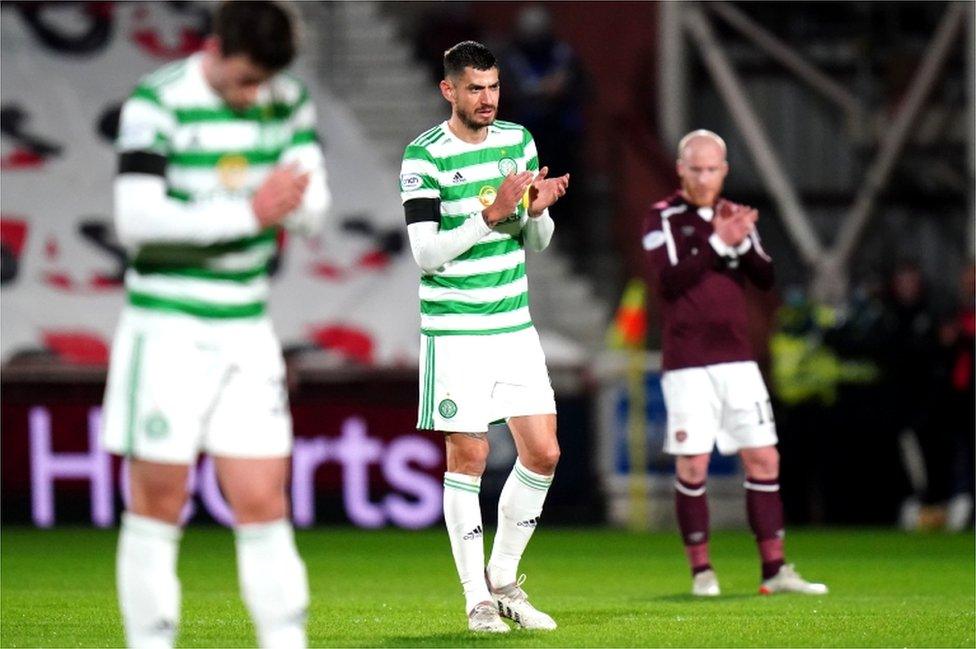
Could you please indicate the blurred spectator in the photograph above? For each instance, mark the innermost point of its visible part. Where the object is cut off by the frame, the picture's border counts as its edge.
(807, 375)
(957, 407)
(544, 89)
(912, 365)
(868, 482)
(441, 27)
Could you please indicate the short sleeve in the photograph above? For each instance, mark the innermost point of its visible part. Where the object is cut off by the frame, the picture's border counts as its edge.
(418, 175)
(145, 124)
(530, 151)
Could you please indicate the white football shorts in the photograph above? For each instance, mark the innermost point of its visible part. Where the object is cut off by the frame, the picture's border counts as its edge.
(469, 382)
(725, 404)
(178, 385)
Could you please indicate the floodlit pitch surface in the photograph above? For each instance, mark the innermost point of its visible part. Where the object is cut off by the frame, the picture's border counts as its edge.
(605, 588)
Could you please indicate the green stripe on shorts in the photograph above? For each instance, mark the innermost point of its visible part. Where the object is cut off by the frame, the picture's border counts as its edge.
(135, 365)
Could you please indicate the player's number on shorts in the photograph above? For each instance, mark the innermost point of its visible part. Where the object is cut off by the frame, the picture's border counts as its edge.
(769, 412)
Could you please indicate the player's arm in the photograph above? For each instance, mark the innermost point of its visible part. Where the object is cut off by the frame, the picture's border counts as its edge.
(537, 231)
(306, 152)
(673, 276)
(433, 247)
(755, 263)
(737, 240)
(420, 191)
(538, 226)
(144, 212)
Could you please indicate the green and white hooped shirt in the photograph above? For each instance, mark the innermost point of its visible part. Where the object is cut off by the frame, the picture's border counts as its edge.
(483, 290)
(215, 158)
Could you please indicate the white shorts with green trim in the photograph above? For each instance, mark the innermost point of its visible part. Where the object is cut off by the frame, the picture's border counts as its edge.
(725, 404)
(468, 382)
(178, 385)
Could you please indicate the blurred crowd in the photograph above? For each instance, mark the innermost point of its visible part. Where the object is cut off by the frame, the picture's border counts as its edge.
(876, 403)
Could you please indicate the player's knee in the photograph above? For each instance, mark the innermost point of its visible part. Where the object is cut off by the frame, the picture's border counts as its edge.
(764, 465)
(471, 460)
(163, 505)
(160, 501)
(545, 461)
(258, 506)
(692, 469)
(469, 466)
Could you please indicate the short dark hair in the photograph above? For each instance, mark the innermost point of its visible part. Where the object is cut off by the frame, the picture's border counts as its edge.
(263, 31)
(467, 54)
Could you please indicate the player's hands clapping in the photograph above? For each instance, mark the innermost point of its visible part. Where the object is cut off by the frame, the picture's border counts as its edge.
(734, 222)
(546, 191)
(507, 198)
(279, 195)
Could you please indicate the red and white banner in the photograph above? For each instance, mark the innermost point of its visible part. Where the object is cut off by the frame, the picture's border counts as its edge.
(67, 67)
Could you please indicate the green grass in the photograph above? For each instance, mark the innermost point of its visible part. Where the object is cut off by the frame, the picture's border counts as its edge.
(605, 588)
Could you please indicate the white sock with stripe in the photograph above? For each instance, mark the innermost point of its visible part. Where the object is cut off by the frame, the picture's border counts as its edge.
(519, 508)
(148, 588)
(462, 514)
(273, 582)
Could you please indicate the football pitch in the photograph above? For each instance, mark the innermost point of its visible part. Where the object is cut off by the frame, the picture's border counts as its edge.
(603, 587)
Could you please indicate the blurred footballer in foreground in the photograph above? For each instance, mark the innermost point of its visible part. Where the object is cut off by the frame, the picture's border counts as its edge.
(217, 152)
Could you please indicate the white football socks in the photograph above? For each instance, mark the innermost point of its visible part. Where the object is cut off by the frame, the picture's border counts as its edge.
(148, 588)
(519, 508)
(462, 514)
(273, 582)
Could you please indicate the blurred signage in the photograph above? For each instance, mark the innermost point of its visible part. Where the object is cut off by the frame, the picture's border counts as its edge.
(356, 459)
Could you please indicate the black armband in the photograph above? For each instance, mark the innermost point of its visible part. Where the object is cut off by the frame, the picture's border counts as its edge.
(417, 210)
(142, 162)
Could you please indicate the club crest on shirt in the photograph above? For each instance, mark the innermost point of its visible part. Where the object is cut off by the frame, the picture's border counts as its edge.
(487, 194)
(680, 436)
(507, 166)
(687, 230)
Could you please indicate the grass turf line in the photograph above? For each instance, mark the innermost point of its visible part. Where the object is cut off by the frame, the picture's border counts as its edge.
(603, 587)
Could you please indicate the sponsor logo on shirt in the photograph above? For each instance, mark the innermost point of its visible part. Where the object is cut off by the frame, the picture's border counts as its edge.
(458, 178)
(232, 171)
(409, 182)
(654, 239)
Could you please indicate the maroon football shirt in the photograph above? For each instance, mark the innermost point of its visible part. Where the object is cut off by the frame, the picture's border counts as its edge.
(701, 283)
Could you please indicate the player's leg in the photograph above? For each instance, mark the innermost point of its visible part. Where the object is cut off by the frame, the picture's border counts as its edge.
(250, 436)
(148, 586)
(523, 396)
(158, 386)
(691, 508)
(519, 510)
(765, 511)
(452, 400)
(467, 455)
(764, 507)
(524, 493)
(272, 575)
(694, 417)
(749, 428)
